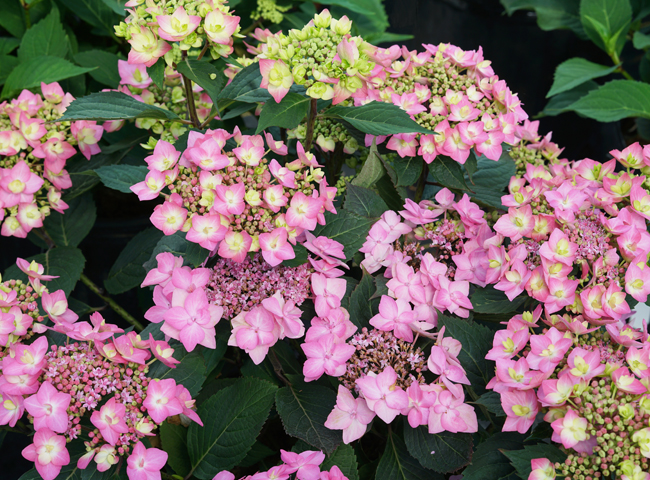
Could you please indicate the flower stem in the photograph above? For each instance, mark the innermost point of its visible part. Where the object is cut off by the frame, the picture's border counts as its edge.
(310, 123)
(191, 108)
(111, 303)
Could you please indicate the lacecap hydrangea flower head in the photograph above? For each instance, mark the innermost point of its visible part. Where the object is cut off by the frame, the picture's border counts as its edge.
(236, 201)
(98, 376)
(34, 149)
(592, 384)
(450, 91)
(136, 82)
(157, 28)
(575, 237)
(429, 253)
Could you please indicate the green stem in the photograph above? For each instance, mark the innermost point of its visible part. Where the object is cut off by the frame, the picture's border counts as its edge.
(191, 107)
(617, 61)
(252, 27)
(311, 123)
(28, 19)
(111, 303)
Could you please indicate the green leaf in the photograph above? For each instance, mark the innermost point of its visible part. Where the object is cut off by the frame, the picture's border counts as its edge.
(491, 178)
(232, 418)
(192, 253)
(442, 452)
(127, 272)
(490, 300)
(492, 402)
(471, 165)
(190, 372)
(106, 63)
(174, 441)
(303, 408)
(563, 102)
(574, 72)
(397, 464)
(206, 75)
(344, 458)
(95, 12)
(641, 40)
(245, 87)
(122, 177)
(477, 342)
(47, 37)
(8, 45)
(371, 171)
(376, 118)
(12, 19)
(520, 459)
(408, 170)
(157, 73)
(113, 106)
(489, 462)
(7, 64)
(31, 73)
(551, 14)
(118, 6)
(606, 22)
(362, 302)
(346, 228)
(364, 202)
(616, 100)
(66, 262)
(448, 173)
(71, 228)
(287, 114)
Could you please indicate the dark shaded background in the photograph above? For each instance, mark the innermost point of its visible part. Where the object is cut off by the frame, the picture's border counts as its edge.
(521, 53)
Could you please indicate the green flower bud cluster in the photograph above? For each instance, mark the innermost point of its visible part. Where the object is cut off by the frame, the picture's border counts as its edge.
(540, 153)
(310, 55)
(341, 184)
(269, 10)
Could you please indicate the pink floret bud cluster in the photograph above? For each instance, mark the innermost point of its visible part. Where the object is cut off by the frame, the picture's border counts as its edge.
(236, 202)
(577, 236)
(302, 466)
(592, 384)
(34, 149)
(171, 95)
(155, 29)
(450, 91)
(430, 253)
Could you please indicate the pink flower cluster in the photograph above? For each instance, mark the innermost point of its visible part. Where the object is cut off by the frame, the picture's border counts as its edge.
(260, 301)
(59, 385)
(186, 24)
(593, 385)
(578, 238)
(236, 202)
(305, 466)
(33, 155)
(386, 374)
(452, 92)
(136, 83)
(457, 238)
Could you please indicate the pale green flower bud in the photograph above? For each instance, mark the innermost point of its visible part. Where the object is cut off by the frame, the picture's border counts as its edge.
(342, 26)
(323, 19)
